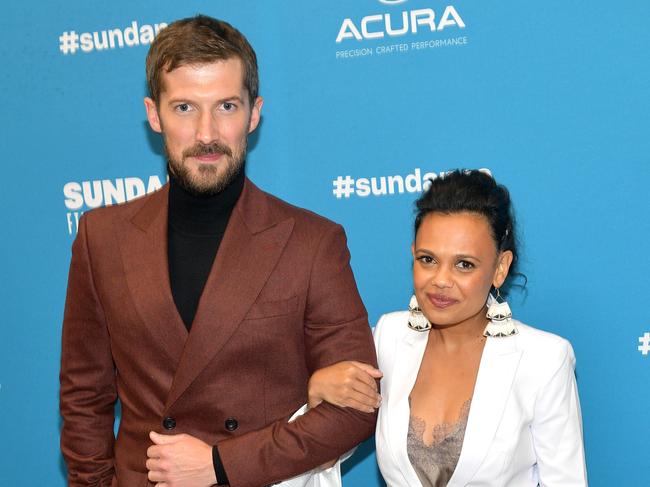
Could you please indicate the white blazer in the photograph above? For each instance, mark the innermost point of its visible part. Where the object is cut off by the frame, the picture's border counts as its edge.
(524, 426)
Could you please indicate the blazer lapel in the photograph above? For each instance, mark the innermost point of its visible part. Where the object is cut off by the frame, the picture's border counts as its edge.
(408, 357)
(249, 251)
(496, 373)
(143, 246)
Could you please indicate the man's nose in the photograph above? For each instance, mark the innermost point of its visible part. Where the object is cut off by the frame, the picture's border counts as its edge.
(207, 130)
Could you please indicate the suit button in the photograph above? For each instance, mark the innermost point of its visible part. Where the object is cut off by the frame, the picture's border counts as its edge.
(231, 424)
(169, 423)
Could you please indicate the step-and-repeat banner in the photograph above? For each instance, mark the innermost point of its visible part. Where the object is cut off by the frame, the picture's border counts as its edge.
(365, 100)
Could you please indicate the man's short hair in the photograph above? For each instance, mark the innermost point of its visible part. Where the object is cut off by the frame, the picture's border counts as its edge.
(199, 40)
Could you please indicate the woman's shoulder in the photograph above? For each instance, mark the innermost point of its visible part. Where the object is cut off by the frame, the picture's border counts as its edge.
(391, 329)
(544, 346)
(392, 324)
(540, 337)
(393, 317)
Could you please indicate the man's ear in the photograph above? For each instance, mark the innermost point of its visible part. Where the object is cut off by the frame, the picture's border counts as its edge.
(152, 115)
(256, 113)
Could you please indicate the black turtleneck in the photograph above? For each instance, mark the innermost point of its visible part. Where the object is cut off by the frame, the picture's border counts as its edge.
(195, 228)
(196, 225)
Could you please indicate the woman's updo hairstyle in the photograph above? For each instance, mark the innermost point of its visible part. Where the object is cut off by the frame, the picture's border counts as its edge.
(473, 191)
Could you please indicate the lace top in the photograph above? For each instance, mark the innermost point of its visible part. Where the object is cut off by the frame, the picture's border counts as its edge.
(436, 463)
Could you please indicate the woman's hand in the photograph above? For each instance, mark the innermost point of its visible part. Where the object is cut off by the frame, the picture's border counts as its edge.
(346, 384)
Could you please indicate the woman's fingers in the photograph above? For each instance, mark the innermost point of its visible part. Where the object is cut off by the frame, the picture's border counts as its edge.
(369, 393)
(347, 384)
(360, 404)
(352, 398)
(369, 369)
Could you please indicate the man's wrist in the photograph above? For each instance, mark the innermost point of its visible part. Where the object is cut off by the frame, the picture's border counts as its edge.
(219, 470)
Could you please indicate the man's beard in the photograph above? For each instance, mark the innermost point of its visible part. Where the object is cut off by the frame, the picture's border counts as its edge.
(211, 178)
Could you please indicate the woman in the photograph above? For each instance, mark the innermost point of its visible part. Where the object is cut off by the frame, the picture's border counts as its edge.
(471, 397)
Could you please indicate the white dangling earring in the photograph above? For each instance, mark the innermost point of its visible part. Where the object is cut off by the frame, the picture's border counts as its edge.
(417, 320)
(500, 316)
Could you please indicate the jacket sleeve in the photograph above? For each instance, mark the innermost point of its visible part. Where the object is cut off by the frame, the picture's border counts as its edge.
(557, 428)
(335, 328)
(88, 390)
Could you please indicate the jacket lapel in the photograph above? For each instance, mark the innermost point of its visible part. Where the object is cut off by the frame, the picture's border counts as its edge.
(408, 358)
(251, 246)
(143, 246)
(496, 373)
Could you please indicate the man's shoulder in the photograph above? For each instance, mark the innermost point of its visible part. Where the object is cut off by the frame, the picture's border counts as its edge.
(107, 216)
(281, 209)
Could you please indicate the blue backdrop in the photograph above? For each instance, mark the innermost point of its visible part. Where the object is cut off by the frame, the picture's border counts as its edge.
(363, 99)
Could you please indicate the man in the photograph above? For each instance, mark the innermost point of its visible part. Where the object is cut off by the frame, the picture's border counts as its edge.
(206, 306)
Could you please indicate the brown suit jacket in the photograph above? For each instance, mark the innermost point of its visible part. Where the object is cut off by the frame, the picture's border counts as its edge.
(280, 302)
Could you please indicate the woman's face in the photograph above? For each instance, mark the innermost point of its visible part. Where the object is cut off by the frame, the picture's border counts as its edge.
(455, 262)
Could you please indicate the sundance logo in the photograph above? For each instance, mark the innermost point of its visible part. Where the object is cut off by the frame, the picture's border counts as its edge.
(83, 195)
(378, 26)
(106, 192)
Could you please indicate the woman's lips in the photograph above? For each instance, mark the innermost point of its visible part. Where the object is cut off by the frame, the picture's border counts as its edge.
(441, 301)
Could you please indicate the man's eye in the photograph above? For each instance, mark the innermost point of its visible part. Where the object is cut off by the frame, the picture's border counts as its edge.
(465, 265)
(183, 107)
(228, 106)
(426, 259)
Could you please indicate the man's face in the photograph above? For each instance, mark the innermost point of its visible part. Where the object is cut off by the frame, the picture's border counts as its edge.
(204, 115)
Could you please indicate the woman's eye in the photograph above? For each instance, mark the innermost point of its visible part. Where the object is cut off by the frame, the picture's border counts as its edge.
(465, 265)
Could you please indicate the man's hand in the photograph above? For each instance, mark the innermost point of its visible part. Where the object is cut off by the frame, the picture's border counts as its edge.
(346, 384)
(180, 461)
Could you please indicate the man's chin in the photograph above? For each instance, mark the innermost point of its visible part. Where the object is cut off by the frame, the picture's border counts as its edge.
(204, 179)
(202, 184)
(204, 187)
